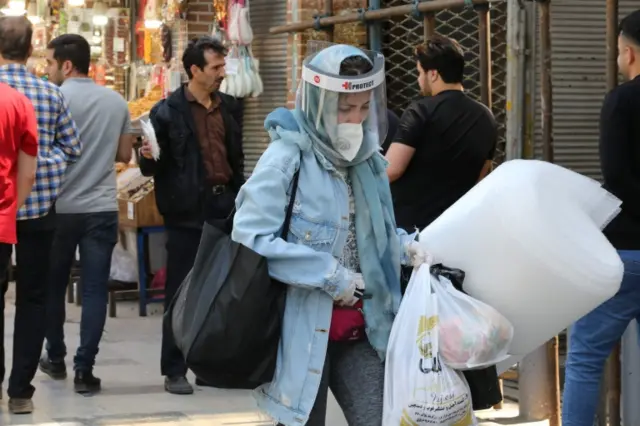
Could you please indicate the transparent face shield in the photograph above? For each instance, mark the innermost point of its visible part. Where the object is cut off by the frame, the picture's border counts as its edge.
(329, 99)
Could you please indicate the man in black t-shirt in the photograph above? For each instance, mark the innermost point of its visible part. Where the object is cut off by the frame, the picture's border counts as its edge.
(445, 142)
(594, 336)
(444, 145)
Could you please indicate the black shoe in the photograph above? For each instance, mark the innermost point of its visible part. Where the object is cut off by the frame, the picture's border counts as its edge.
(178, 385)
(20, 405)
(57, 370)
(86, 382)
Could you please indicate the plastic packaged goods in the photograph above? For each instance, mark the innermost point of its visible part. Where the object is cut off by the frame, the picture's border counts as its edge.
(419, 389)
(529, 239)
(472, 334)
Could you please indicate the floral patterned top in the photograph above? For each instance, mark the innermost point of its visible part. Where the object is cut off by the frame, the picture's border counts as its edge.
(350, 258)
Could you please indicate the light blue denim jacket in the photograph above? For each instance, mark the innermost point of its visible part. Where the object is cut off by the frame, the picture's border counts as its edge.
(307, 261)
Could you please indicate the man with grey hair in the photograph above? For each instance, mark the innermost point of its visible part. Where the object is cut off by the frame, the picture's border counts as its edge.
(59, 145)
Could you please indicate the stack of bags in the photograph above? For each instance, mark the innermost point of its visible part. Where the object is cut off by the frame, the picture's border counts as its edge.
(243, 78)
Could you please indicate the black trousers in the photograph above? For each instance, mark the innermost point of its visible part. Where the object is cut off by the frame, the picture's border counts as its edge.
(5, 263)
(182, 247)
(35, 237)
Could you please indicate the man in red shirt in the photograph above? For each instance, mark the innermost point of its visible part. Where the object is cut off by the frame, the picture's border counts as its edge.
(18, 157)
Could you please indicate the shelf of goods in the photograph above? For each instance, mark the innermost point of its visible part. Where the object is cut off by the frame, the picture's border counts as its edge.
(139, 108)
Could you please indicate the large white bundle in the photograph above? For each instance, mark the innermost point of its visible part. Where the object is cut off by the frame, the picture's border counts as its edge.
(529, 238)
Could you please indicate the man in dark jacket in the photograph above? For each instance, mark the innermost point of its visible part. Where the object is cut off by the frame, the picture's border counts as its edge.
(443, 146)
(198, 173)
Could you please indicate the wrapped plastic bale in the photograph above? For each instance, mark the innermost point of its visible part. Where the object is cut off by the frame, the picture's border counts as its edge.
(529, 237)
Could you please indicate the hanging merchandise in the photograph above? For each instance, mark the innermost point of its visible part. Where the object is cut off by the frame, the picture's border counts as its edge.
(239, 31)
(219, 24)
(218, 32)
(243, 78)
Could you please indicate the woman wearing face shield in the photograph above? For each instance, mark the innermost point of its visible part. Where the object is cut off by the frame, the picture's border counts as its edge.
(343, 253)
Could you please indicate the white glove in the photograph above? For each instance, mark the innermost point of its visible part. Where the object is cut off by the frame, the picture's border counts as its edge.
(418, 255)
(353, 292)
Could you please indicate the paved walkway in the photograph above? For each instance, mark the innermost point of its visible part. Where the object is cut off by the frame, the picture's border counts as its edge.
(133, 393)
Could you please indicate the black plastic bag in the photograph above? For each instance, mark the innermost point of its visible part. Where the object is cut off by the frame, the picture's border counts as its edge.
(226, 318)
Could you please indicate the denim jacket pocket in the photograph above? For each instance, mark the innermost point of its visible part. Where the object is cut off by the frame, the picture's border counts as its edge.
(312, 234)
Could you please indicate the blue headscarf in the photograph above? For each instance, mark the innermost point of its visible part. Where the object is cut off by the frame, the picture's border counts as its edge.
(378, 243)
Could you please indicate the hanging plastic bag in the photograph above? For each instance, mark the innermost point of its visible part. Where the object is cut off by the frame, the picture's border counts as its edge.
(229, 84)
(419, 390)
(233, 30)
(258, 87)
(471, 334)
(244, 24)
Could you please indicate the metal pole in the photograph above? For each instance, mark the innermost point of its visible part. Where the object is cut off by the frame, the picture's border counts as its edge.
(610, 404)
(373, 15)
(533, 395)
(553, 374)
(631, 376)
(429, 26)
(484, 40)
(328, 11)
(539, 384)
(516, 79)
(375, 29)
(539, 372)
(545, 80)
(552, 371)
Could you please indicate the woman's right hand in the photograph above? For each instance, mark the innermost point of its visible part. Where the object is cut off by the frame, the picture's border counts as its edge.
(354, 290)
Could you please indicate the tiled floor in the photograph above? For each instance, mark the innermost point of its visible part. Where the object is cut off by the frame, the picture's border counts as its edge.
(133, 394)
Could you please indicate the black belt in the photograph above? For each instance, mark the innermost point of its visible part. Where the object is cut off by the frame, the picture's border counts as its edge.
(219, 189)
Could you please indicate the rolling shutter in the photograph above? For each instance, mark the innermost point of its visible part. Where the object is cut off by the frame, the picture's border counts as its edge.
(271, 52)
(578, 66)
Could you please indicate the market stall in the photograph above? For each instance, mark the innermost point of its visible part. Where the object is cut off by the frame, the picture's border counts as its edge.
(160, 36)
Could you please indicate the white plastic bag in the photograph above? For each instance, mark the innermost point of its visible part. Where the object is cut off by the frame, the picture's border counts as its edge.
(246, 33)
(124, 261)
(233, 29)
(471, 334)
(529, 239)
(239, 30)
(150, 135)
(419, 390)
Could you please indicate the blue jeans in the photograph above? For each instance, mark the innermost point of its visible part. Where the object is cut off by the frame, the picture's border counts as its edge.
(96, 234)
(591, 341)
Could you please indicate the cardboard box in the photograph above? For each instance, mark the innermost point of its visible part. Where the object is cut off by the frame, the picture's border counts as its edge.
(137, 202)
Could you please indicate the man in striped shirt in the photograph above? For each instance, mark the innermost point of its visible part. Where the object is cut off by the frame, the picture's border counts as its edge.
(58, 145)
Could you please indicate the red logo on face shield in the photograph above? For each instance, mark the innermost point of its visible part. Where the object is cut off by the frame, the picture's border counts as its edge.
(316, 79)
(346, 85)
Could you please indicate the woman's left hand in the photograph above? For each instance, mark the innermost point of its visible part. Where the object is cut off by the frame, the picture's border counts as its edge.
(418, 255)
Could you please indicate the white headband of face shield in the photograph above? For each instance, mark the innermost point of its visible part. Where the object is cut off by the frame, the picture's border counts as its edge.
(348, 137)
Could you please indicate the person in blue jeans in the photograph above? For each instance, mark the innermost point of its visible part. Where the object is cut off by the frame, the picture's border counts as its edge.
(594, 336)
(87, 208)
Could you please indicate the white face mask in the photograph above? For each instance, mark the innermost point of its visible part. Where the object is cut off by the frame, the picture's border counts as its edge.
(348, 140)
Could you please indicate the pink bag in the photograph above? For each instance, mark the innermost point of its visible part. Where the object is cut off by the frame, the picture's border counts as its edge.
(159, 279)
(347, 323)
